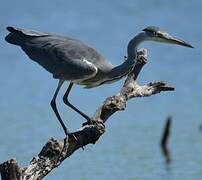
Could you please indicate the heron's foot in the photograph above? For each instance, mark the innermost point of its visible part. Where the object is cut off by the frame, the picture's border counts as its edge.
(88, 122)
(71, 135)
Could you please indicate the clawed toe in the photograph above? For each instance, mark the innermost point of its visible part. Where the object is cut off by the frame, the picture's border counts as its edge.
(76, 139)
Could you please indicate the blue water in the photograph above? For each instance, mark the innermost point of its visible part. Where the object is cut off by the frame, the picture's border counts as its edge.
(129, 150)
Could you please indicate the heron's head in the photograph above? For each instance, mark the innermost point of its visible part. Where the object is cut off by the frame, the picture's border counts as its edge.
(156, 34)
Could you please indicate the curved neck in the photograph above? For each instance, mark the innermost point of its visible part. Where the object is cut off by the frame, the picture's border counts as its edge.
(133, 45)
(125, 67)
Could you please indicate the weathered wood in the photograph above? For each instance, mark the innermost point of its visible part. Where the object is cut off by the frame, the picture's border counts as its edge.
(55, 151)
(10, 170)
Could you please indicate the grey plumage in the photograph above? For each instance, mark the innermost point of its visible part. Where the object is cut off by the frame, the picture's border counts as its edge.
(71, 60)
(64, 57)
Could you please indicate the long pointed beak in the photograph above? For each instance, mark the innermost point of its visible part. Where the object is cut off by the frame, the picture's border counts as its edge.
(173, 40)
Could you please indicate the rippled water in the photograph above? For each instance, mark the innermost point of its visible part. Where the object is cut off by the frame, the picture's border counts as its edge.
(130, 147)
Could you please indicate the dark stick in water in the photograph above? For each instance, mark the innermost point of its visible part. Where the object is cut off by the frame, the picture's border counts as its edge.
(164, 139)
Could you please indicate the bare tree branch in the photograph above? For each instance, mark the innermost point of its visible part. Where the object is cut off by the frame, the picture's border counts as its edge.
(55, 151)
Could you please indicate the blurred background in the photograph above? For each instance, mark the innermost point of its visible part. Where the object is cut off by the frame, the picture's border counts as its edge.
(130, 147)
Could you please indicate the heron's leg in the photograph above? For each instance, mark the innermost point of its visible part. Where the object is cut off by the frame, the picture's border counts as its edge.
(66, 101)
(54, 107)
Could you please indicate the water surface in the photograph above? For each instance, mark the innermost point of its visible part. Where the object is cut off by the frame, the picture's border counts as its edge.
(130, 147)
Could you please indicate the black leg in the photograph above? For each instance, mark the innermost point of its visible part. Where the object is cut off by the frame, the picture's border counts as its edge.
(54, 107)
(66, 101)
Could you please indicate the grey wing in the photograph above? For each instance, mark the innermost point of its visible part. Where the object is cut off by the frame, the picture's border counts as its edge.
(64, 57)
(61, 60)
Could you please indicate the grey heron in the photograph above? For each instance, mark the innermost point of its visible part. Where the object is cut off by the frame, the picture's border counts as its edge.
(71, 60)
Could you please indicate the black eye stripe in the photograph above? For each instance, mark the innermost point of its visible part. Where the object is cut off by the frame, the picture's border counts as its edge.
(155, 33)
(151, 31)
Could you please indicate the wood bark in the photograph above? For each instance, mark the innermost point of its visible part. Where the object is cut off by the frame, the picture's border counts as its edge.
(55, 151)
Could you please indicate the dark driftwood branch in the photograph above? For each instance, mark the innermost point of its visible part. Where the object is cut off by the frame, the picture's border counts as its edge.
(55, 151)
(164, 140)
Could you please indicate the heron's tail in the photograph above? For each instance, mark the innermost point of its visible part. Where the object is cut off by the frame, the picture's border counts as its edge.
(15, 36)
